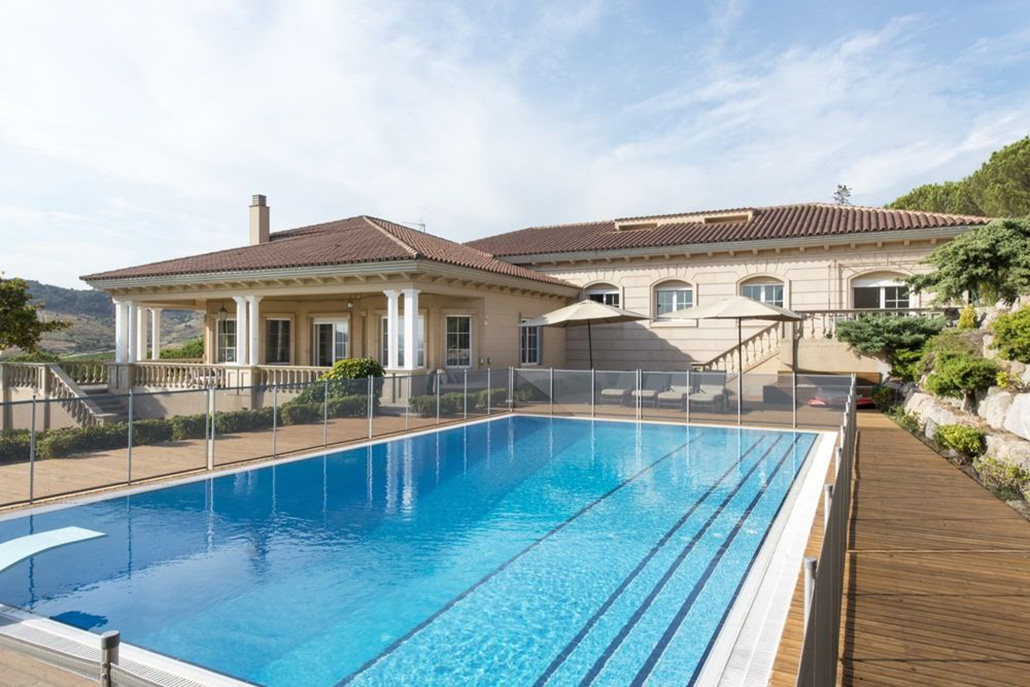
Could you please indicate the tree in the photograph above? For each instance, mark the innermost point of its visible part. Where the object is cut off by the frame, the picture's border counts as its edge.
(898, 339)
(842, 196)
(1000, 188)
(20, 323)
(989, 263)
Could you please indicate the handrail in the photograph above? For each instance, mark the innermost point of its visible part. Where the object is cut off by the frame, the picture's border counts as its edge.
(754, 349)
(86, 372)
(72, 398)
(178, 375)
(824, 577)
(822, 324)
(285, 375)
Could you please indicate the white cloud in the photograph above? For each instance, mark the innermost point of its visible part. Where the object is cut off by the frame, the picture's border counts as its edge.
(136, 131)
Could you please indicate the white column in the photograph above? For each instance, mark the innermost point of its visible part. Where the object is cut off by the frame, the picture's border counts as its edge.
(254, 319)
(410, 320)
(241, 329)
(121, 325)
(131, 338)
(155, 333)
(141, 333)
(392, 330)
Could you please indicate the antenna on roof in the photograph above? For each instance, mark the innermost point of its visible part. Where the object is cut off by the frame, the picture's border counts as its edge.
(420, 224)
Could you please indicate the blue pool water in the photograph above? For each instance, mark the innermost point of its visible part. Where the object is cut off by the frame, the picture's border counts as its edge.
(521, 551)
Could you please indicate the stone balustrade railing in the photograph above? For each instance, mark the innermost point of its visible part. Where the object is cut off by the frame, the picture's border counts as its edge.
(172, 375)
(753, 350)
(822, 324)
(86, 372)
(286, 375)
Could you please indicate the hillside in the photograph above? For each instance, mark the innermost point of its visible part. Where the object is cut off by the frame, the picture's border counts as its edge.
(1000, 188)
(91, 313)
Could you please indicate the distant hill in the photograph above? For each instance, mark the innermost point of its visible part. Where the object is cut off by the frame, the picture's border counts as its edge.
(1000, 188)
(91, 313)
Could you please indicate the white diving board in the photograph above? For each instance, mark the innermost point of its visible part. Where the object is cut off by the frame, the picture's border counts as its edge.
(16, 550)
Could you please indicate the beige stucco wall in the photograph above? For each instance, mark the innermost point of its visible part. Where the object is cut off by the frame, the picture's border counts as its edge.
(816, 279)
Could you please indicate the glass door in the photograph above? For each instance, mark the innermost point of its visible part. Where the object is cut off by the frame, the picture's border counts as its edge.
(331, 341)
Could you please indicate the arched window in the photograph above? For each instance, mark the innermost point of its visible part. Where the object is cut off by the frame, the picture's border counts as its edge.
(672, 295)
(764, 289)
(881, 290)
(604, 293)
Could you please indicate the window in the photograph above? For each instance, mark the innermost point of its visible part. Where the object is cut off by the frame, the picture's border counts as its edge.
(384, 342)
(764, 291)
(225, 341)
(604, 293)
(671, 296)
(458, 343)
(277, 341)
(331, 342)
(878, 291)
(529, 345)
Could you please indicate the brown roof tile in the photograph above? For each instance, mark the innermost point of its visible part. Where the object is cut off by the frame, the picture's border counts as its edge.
(777, 222)
(347, 241)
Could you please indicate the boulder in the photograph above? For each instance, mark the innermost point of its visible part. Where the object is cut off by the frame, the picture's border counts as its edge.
(1017, 419)
(994, 407)
(1009, 450)
(931, 411)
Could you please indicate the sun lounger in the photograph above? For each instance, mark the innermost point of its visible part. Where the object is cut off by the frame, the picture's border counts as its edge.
(618, 393)
(676, 395)
(653, 385)
(711, 391)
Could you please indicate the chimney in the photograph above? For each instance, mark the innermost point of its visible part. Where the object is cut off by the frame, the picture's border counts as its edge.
(258, 220)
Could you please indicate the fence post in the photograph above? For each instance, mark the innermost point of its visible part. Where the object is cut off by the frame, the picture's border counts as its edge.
(132, 398)
(370, 406)
(550, 393)
(811, 569)
(593, 391)
(690, 390)
(794, 395)
(640, 383)
(407, 402)
(489, 391)
(436, 383)
(109, 642)
(325, 413)
(465, 395)
(211, 423)
(827, 504)
(740, 394)
(32, 453)
(275, 418)
(511, 389)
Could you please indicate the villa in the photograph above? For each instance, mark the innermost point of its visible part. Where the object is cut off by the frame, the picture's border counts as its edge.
(290, 303)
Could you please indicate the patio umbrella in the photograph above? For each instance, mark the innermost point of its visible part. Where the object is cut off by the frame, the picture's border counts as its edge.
(587, 313)
(740, 308)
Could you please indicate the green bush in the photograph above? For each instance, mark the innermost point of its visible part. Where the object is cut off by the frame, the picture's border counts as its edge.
(960, 375)
(36, 357)
(59, 443)
(354, 368)
(243, 420)
(1012, 335)
(301, 413)
(887, 335)
(967, 319)
(14, 445)
(189, 427)
(907, 364)
(885, 397)
(907, 421)
(1009, 481)
(151, 432)
(968, 441)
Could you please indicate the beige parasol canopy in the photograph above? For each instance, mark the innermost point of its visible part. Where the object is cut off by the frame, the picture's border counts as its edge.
(587, 313)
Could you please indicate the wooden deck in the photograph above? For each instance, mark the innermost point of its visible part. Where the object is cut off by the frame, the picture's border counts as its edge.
(939, 583)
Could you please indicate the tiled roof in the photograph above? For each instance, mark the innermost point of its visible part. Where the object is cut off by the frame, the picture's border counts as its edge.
(777, 222)
(348, 241)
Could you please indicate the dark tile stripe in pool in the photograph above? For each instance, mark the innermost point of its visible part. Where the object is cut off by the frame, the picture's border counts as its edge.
(557, 528)
(602, 660)
(681, 614)
(575, 642)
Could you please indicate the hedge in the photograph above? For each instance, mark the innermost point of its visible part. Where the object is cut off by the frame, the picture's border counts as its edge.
(453, 403)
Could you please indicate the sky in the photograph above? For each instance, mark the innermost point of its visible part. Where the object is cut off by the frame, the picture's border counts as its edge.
(134, 131)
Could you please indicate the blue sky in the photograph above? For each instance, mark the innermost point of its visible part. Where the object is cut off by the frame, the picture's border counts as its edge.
(132, 132)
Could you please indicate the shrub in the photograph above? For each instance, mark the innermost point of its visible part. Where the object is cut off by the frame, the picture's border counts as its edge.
(189, 427)
(967, 319)
(60, 443)
(14, 445)
(907, 421)
(907, 364)
(885, 397)
(354, 368)
(960, 375)
(968, 441)
(1009, 481)
(243, 420)
(347, 378)
(152, 432)
(886, 335)
(36, 357)
(301, 413)
(1012, 335)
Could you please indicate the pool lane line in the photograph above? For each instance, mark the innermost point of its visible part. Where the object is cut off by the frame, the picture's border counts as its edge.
(681, 614)
(614, 596)
(486, 578)
(736, 592)
(645, 605)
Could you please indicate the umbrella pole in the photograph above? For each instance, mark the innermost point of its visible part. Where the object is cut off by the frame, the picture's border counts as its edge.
(740, 370)
(590, 345)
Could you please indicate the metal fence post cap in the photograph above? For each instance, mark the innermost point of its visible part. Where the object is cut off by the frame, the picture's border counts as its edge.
(811, 564)
(110, 639)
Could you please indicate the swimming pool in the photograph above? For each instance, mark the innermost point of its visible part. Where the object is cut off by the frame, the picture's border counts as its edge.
(517, 551)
